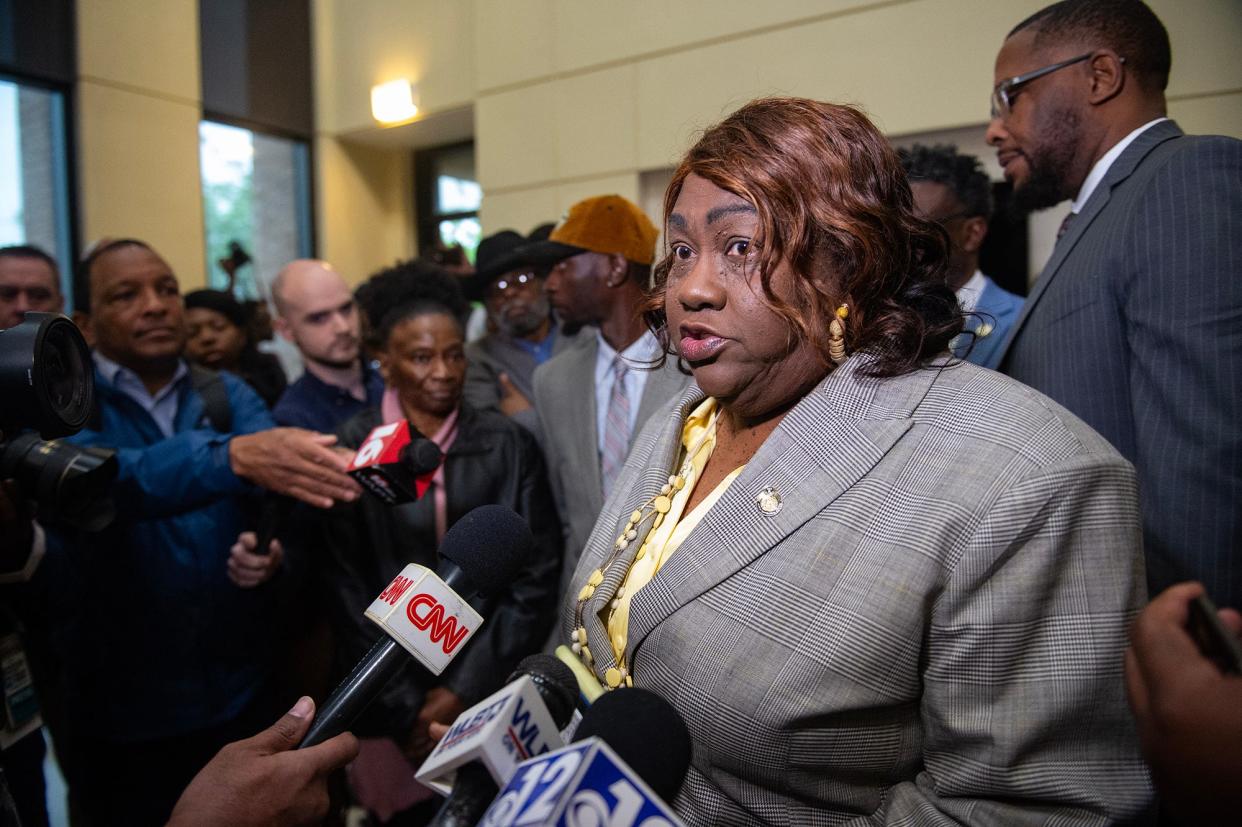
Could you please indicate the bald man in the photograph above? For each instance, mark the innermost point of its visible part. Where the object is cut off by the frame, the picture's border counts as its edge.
(316, 312)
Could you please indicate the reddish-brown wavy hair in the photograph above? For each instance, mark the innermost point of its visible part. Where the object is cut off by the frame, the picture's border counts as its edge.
(833, 200)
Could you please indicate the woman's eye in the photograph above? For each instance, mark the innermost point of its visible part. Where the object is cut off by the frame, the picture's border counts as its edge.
(681, 252)
(740, 247)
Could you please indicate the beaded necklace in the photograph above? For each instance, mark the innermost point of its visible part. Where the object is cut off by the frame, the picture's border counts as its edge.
(653, 511)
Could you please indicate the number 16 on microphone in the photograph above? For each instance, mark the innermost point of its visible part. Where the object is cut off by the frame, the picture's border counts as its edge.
(582, 785)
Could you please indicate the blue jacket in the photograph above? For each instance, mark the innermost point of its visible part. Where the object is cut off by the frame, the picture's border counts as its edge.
(153, 638)
(995, 312)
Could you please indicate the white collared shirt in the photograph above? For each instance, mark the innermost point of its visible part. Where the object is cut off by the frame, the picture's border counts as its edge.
(162, 406)
(968, 294)
(639, 355)
(1097, 173)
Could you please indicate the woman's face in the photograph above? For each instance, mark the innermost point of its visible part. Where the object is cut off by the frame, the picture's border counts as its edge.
(740, 350)
(424, 360)
(213, 340)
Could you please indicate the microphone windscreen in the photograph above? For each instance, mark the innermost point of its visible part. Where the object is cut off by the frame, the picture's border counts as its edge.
(556, 683)
(422, 456)
(490, 545)
(646, 732)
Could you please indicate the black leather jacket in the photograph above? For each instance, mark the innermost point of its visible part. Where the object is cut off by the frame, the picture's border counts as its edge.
(492, 460)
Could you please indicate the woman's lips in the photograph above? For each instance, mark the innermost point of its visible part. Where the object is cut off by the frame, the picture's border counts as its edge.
(698, 347)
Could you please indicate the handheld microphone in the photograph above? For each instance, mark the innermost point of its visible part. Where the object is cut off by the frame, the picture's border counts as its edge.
(396, 463)
(632, 755)
(273, 515)
(487, 742)
(425, 614)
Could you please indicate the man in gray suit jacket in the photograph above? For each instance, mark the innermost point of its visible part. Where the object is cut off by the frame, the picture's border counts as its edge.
(1135, 323)
(593, 398)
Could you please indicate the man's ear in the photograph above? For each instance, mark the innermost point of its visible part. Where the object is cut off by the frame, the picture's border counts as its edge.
(282, 329)
(83, 321)
(618, 270)
(975, 231)
(1108, 76)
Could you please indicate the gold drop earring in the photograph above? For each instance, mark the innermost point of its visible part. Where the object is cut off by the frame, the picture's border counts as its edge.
(836, 334)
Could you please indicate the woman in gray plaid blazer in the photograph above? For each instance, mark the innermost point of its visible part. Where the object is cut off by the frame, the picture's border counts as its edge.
(910, 604)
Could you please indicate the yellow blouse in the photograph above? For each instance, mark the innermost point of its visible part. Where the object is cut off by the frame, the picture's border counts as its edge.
(698, 440)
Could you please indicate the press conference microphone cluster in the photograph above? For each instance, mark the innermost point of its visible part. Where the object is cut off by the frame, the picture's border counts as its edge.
(426, 615)
(630, 757)
(395, 463)
(485, 744)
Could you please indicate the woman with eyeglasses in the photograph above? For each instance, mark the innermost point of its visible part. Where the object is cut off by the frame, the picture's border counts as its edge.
(881, 585)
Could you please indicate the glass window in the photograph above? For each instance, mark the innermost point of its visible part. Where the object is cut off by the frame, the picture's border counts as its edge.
(34, 195)
(448, 196)
(256, 206)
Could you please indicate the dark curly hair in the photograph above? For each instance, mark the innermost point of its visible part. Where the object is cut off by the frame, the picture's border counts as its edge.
(962, 174)
(406, 290)
(833, 201)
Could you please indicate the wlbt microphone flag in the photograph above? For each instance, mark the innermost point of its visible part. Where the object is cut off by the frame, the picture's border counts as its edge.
(395, 463)
(487, 742)
(425, 614)
(631, 758)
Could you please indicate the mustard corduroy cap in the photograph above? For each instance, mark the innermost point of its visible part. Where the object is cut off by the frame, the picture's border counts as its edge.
(606, 224)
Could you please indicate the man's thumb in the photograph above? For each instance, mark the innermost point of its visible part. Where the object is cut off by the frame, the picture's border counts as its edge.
(506, 384)
(287, 733)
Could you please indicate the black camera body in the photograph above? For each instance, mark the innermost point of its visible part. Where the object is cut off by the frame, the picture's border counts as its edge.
(47, 385)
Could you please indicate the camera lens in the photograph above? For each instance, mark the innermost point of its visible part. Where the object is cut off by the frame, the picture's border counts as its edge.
(46, 380)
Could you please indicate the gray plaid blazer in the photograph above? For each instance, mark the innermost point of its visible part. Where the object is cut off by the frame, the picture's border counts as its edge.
(929, 630)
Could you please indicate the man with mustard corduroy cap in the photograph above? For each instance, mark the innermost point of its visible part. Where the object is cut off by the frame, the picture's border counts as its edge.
(594, 397)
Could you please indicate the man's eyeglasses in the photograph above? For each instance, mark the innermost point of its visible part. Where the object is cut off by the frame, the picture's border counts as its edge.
(1007, 90)
(514, 282)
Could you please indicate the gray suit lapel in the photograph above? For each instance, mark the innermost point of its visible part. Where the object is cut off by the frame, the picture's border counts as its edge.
(579, 412)
(822, 447)
(1121, 169)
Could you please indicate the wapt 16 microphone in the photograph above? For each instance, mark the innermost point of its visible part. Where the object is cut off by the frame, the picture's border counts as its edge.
(486, 743)
(631, 758)
(395, 463)
(425, 615)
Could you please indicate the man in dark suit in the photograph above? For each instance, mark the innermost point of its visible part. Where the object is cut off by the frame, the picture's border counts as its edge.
(1135, 323)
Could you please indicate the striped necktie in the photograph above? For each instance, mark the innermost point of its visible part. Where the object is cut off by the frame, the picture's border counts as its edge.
(1065, 224)
(616, 427)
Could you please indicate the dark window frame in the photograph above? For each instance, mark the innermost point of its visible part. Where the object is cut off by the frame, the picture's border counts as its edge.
(69, 171)
(426, 219)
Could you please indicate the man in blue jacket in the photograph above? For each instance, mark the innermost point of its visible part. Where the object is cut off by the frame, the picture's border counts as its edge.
(163, 642)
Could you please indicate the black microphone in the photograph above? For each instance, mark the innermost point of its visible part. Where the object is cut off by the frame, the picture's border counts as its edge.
(480, 555)
(632, 721)
(474, 785)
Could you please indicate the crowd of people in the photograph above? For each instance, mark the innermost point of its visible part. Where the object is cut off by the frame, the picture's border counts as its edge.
(878, 529)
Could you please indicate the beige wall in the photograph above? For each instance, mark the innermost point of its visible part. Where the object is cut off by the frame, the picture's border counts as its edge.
(575, 95)
(139, 105)
(565, 98)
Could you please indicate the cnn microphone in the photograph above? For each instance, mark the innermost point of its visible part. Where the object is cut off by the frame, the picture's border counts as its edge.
(487, 742)
(425, 614)
(395, 463)
(631, 756)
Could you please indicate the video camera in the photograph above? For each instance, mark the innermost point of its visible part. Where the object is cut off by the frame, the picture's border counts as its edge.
(47, 385)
